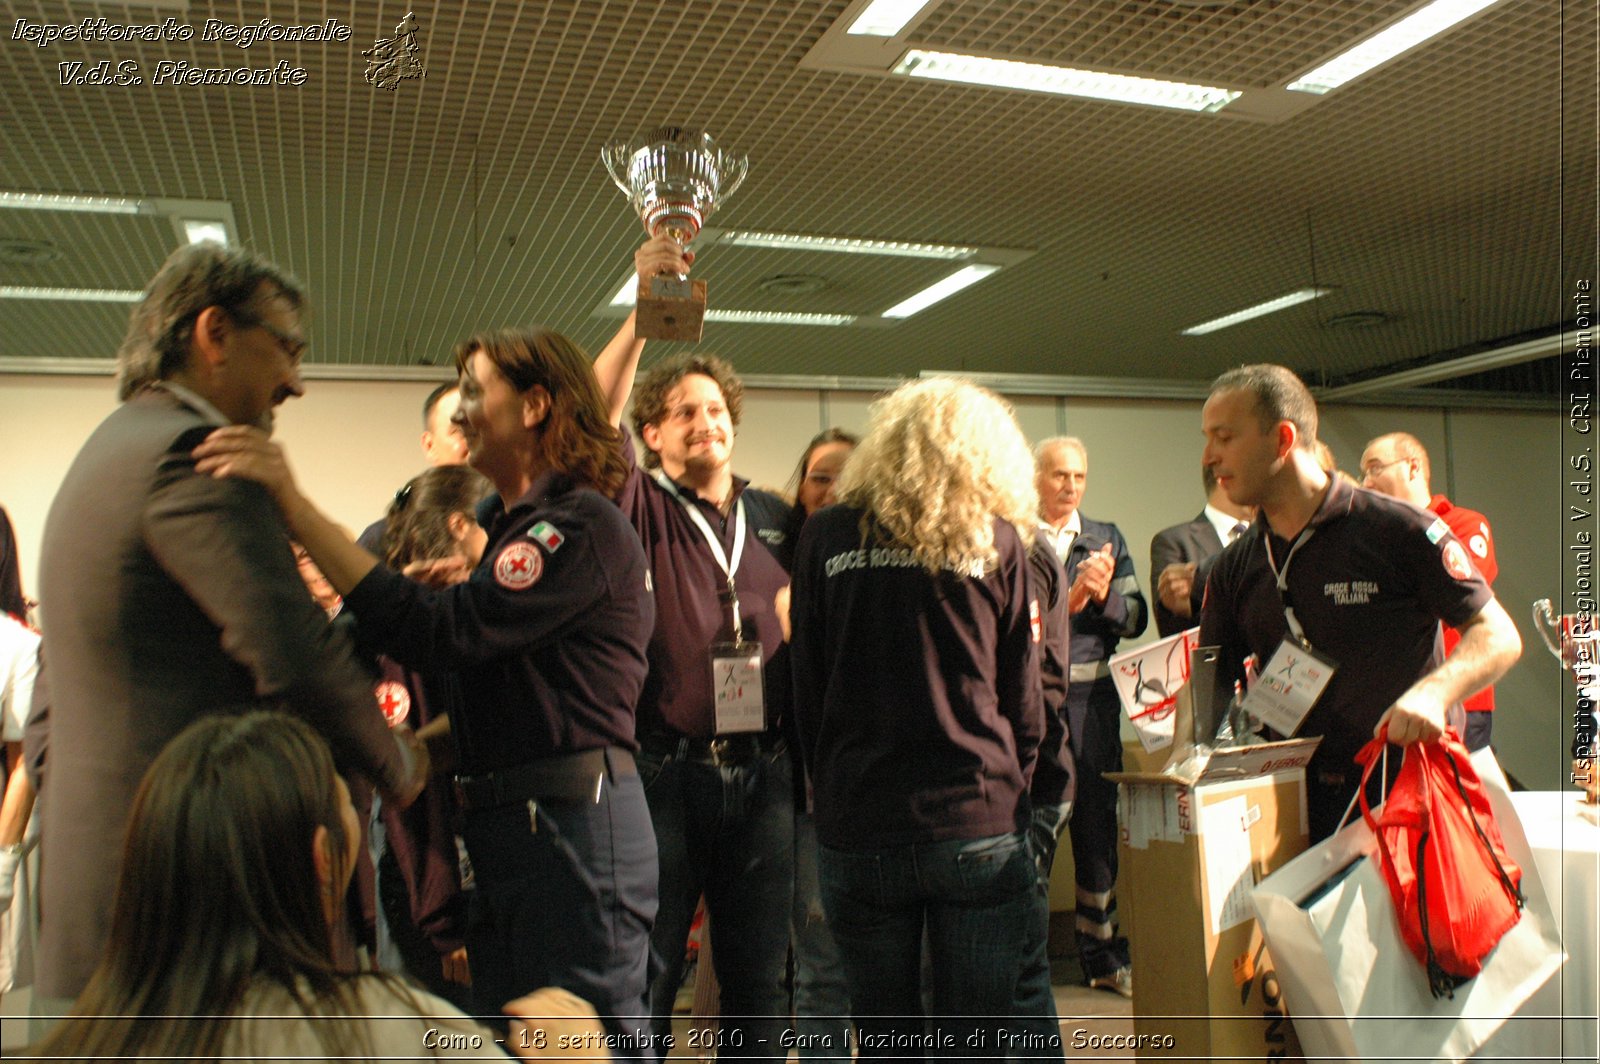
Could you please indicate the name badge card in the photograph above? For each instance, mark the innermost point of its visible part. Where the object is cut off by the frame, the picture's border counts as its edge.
(736, 688)
(1288, 687)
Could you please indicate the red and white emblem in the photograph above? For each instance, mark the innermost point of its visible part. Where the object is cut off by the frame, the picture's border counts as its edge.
(394, 700)
(1033, 620)
(1455, 560)
(1479, 545)
(519, 566)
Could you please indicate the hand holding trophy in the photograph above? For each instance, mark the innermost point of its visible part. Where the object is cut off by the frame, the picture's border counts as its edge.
(674, 178)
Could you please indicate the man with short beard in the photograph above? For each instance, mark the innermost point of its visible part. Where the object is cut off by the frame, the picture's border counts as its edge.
(173, 594)
(720, 787)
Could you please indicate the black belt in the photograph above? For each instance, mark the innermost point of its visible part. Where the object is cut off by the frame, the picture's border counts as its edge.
(728, 751)
(576, 776)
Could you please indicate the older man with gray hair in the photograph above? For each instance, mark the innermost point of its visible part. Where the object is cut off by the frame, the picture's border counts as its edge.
(1106, 606)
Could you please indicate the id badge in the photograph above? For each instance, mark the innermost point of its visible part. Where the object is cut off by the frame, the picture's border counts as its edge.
(1288, 687)
(736, 688)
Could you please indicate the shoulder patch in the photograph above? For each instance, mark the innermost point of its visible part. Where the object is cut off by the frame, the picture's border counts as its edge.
(1034, 621)
(518, 567)
(1438, 530)
(1455, 561)
(394, 700)
(547, 535)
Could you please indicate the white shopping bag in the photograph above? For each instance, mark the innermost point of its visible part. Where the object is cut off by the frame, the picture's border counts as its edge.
(1354, 989)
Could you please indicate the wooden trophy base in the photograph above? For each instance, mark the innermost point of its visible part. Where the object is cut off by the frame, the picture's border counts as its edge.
(670, 309)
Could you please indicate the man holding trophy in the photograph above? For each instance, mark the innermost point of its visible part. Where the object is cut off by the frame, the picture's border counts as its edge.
(713, 752)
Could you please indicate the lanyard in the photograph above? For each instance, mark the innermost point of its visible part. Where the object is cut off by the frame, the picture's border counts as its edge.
(1295, 629)
(729, 568)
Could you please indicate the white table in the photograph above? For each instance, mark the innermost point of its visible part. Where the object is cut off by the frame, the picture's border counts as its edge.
(1566, 851)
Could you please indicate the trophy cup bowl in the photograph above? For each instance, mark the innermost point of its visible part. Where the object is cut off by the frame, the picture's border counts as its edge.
(673, 178)
(1567, 637)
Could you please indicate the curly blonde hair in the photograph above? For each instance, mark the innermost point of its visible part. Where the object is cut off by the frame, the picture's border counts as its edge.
(941, 460)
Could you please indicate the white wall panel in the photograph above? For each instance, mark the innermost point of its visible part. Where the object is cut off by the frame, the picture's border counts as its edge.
(353, 443)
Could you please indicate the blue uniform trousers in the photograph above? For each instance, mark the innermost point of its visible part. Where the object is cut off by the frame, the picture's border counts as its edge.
(566, 896)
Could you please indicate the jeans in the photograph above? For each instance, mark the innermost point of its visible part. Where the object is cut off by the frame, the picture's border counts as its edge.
(976, 900)
(821, 995)
(1480, 722)
(1038, 1026)
(726, 832)
(566, 893)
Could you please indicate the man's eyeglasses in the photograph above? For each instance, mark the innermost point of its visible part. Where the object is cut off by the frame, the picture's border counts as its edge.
(1372, 469)
(291, 345)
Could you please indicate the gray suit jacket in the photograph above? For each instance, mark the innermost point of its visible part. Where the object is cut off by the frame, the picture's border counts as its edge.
(1193, 541)
(168, 595)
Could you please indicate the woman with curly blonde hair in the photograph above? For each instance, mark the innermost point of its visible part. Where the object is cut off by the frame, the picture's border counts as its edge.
(943, 459)
(919, 708)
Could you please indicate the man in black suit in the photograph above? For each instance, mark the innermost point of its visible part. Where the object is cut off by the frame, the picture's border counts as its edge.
(1176, 554)
(172, 594)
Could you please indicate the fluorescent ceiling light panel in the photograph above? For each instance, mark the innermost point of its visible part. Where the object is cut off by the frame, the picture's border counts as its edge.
(74, 295)
(885, 18)
(1063, 81)
(628, 294)
(944, 289)
(45, 201)
(1409, 32)
(1271, 306)
(855, 245)
(198, 231)
(762, 317)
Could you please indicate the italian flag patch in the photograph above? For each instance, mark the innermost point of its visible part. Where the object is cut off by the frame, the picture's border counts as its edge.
(545, 533)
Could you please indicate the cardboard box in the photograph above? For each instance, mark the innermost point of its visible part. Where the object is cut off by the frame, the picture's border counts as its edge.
(1191, 851)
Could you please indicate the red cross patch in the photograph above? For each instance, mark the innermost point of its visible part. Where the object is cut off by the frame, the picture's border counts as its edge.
(1455, 560)
(519, 566)
(394, 700)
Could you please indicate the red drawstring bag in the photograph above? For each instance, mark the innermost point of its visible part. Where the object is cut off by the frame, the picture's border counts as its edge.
(1454, 889)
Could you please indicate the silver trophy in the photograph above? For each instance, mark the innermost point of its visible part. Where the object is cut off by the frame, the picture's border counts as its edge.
(1575, 642)
(673, 178)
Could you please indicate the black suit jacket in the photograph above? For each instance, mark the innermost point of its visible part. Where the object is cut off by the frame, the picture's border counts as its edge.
(1193, 541)
(168, 595)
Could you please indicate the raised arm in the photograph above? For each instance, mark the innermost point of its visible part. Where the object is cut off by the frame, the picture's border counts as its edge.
(618, 361)
(245, 452)
(205, 531)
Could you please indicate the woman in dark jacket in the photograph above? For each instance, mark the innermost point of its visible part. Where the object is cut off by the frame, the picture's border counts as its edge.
(918, 704)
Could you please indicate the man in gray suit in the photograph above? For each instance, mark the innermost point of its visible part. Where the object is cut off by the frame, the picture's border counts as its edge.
(1176, 554)
(170, 594)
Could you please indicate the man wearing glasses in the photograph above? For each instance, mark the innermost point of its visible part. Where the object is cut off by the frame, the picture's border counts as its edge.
(170, 594)
(1397, 465)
